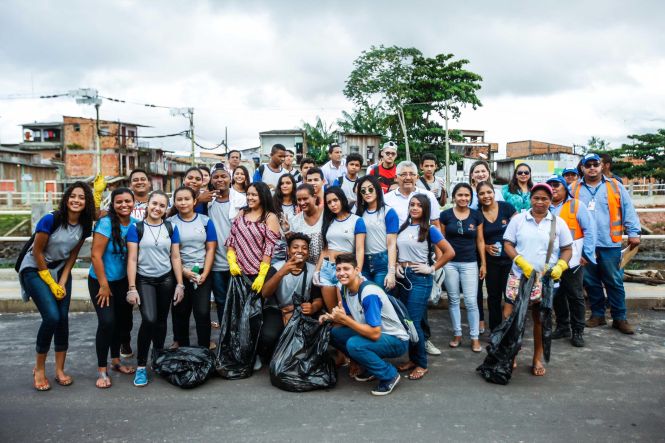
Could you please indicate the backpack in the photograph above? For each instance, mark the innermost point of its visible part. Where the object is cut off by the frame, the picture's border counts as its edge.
(261, 169)
(400, 310)
(140, 229)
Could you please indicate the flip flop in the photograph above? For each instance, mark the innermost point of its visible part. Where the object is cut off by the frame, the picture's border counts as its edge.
(104, 376)
(417, 374)
(455, 343)
(118, 367)
(538, 371)
(406, 366)
(64, 381)
(43, 387)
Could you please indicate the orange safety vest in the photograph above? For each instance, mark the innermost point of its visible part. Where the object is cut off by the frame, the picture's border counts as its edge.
(614, 206)
(569, 215)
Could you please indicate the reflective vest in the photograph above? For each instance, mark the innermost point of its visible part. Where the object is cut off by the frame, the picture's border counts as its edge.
(613, 204)
(569, 214)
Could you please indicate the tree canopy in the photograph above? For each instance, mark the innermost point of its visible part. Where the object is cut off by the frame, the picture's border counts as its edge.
(645, 157)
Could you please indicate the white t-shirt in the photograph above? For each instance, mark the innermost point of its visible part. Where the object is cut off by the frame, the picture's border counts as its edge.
(341, 234)
(298, 224)
(400, 203)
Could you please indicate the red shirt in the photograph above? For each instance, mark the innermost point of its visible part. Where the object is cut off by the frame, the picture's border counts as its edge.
(386, 176)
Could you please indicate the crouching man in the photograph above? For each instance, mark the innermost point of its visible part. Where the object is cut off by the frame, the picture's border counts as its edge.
(369, 329)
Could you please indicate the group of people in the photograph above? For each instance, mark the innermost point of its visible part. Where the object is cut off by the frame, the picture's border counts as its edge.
(346, 243)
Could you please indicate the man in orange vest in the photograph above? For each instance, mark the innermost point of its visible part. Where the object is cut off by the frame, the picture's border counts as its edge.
(569, 298)
(613, 211)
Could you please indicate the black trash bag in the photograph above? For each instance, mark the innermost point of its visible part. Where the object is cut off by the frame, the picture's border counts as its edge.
(240, 330)
(301, 361)
(546, 316)
(506, 339)
(187, 367)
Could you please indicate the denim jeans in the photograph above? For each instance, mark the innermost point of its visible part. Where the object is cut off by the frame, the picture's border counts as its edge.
(328, 273)
(220, 287)
(465, 274)
(416, 300)
(55, 313)
(606, 273)
(375, 267)
(369, 353)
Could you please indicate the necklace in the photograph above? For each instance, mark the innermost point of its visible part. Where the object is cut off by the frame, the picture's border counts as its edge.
(156, 238)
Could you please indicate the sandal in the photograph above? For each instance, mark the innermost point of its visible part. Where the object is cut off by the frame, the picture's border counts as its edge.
(65, 381)
(538, 371)
(119, 367)
(455, 342)
(104, 378)
(41, 387)
(214, 325)
(417, 373)
(354, 369)
(475, 346)
(406, 366)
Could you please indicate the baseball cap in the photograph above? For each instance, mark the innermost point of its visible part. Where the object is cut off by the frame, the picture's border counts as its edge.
(570, 171)
(389, 145)
(558, 179)
(544, 186)
(590, 157)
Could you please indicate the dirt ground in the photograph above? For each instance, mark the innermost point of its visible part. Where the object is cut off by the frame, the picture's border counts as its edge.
(654, 221)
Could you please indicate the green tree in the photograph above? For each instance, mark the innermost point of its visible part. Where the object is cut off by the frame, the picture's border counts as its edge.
(364, 121)
(597, 144)
(650, 148)
(319, 136)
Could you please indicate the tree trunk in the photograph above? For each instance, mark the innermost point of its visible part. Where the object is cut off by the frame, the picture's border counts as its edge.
(402, 122)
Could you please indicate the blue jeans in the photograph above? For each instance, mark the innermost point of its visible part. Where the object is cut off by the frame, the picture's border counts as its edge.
(416, 299)
(55, 313)
(220, 287)
(375, 267)
(369, 353)
(465, 274)
(606, 273)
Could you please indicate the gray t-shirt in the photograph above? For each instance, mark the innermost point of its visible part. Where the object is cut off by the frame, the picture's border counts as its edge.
(379, 224)
(60, 243)
(194, 235)
(292, 284)
(271, 177)
(219, 212)
(410, 249)
(348, 186)
(341, 234)
(154, 259)
(298, 224)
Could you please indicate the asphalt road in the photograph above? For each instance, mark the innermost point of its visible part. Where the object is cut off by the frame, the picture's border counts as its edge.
(612, 390)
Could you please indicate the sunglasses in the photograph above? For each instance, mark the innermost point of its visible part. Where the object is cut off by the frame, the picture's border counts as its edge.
(364, 191)
(555, 184)
(460, 227)
(523, 173)
(390, 153)
(592, 164)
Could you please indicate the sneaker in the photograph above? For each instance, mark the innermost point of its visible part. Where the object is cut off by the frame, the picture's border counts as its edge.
(561, 333)
(141, 377)
(126, 350)
(578, 339)
(623, 326)
(365, 376)
(257, 364)
(431, 349)
(386, 387)
(593, 322)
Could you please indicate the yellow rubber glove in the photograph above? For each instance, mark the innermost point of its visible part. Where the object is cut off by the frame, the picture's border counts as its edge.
(55, 288)
(558, 269)
(525, 266)
(234, 268)
(98, 187)
(261, 278)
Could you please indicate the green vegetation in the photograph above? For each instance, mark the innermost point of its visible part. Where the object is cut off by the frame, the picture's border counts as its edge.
(7, 222)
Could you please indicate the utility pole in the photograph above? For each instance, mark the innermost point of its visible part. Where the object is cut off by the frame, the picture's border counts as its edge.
(188, 113)
(447, 149)
(90, 96)
(98, 145)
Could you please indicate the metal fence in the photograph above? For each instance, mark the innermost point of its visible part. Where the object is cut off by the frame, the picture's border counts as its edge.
(26, 199)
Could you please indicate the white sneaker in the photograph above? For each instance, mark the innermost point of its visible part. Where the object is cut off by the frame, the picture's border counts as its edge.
(431, 349)
(257, 364)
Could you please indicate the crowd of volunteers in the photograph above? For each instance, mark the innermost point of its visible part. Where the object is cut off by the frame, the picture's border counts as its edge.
(349, 242)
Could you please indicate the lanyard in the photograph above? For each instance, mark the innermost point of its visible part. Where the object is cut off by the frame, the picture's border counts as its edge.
(593, 193)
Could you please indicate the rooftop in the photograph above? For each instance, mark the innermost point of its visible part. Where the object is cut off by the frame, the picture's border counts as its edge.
(283, 132)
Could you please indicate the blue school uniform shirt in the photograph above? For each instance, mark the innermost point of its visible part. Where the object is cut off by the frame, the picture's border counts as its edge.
(115, 261)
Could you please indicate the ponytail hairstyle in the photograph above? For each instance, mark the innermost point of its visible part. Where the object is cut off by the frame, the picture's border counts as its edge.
(153, 194)
(423, 225)
(328, 215)
(174, 210)
(116, 233)
(86, 218)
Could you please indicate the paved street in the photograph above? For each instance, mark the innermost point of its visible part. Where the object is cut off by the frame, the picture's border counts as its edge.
(612, 390)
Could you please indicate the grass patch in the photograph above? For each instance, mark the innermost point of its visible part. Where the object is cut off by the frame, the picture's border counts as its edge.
(8, 221)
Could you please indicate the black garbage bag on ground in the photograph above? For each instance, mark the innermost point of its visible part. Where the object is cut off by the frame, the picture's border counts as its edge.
(240, 329)
(301, 361)
(506, 339)
(546, 316)
(187, 367)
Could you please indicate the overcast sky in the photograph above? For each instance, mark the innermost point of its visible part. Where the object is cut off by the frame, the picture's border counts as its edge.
(560, 72)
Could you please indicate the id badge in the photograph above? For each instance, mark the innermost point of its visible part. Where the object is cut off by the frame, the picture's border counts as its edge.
(592, 205)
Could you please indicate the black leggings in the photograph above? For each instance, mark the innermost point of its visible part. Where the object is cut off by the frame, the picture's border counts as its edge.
(156, 294)
(197, 300)
(496, 280)
(272, 329)
(113, 321)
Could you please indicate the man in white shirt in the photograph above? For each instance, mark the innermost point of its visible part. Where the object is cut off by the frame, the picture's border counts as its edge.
(335, 167)
(269, 173)
(398, 199)
(232, 161)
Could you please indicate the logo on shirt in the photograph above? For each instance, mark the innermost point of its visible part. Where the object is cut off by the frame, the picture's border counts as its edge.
(472, 227)
(504, 222)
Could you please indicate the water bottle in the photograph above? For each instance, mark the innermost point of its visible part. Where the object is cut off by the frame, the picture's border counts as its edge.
(499, 247)
(196, 269)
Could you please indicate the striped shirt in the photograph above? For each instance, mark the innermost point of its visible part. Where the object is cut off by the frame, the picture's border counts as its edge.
(251, 240)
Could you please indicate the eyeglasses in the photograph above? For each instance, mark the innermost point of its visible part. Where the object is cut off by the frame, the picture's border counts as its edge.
(523, 173)
(408, 174)
(591, 164)
(364, 191)
(460, 227)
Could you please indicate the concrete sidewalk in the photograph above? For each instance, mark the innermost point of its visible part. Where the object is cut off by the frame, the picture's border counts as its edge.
(638, 296)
